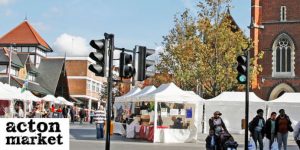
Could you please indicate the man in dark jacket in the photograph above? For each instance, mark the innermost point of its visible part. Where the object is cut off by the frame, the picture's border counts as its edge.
(283, 126)
(270, 128)
(257, 128)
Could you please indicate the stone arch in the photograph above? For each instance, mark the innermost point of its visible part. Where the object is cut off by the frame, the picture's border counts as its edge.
(279, 89)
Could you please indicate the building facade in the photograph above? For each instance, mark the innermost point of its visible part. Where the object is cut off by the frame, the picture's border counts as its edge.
(83, 84)
(276, 32)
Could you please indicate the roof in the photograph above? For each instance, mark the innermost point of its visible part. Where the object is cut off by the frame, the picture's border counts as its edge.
(33, 87)
(15, 58)
(235, 97)
(23, 58)
(49, 73)
(24, 33)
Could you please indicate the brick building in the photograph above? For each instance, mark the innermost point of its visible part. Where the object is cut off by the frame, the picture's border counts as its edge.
(276, 32)
(83, 84)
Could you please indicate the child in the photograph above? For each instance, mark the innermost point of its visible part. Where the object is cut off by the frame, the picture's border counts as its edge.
(211, 141)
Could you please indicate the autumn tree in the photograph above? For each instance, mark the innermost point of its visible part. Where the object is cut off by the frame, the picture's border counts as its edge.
(201, 51)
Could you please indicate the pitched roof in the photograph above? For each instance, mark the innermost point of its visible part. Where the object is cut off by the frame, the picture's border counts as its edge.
(24, 34)
(14, 57)
(49, 73)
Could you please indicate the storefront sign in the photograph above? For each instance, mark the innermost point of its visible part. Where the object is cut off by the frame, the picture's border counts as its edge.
(34, 134)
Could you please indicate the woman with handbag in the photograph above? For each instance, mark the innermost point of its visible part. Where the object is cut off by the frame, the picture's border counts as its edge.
(283, 125)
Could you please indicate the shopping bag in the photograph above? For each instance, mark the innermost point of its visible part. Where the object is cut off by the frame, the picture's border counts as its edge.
(266, 144)
(251, 144)
(274, 145)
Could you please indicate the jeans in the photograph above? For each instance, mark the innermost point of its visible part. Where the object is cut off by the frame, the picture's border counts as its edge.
(257, 136)
(282, 138)
(99, 130)
(272, 139)
(81, 119)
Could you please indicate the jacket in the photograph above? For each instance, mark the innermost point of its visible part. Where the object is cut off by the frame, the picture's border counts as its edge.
(289, 123)
(254, 124)
(297, 132)
(268, 128)
(212, 126)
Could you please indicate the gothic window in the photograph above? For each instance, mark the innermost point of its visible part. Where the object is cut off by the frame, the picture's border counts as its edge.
(283, 13)
(283, 56)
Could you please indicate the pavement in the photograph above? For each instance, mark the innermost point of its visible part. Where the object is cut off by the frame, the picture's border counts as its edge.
(82, 137)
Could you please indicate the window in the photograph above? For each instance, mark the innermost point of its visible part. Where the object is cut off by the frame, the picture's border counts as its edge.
(93, 86)
(88, 85)
(19, 49)
(25, 49)
(32, 58)
(31, 76)
(32, 49)
(97, 87)
(14, 71)
(3, 68)
(283, 56)
(283, 13)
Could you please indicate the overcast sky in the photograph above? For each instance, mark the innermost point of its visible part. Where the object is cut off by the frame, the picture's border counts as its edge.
(68, 25)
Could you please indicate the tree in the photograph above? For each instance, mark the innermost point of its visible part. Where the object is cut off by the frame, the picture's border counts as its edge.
(202, 50)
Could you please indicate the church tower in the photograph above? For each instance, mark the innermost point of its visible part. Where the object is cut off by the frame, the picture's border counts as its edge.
(276, 32)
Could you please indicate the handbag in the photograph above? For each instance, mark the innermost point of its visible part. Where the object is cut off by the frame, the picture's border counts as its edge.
(290, 128)
(274, 145)
(251, 144)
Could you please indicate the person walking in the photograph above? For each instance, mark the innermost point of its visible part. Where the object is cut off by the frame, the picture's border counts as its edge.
(217, 125)
(297, 134)
(257, 128)
(283, 126)
(65, 112)
(72, 114)
(99, 118)
(82, 115)
(20, 112)
(91, 116)
(270, 128)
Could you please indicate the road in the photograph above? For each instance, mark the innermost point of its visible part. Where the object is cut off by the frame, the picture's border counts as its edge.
(83, 138)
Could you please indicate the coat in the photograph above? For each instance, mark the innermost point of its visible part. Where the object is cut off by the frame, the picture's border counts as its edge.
(254, 124)
(289, 123)
(268, 128)
(212, 126)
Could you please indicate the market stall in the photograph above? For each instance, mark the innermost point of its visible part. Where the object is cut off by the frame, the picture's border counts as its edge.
(232, 107)
(290, 102)
(174, 115)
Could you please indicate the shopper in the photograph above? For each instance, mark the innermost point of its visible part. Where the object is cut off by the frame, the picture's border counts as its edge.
(99, 118)
(72, 114)
(217, 125)
(283, 126)
(91, 116)
(82, 115)
(211, 141)
(297, 134)
(270, 128)
(257, 128)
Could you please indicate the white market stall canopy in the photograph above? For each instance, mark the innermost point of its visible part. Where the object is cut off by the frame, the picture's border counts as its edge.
(232, 107)
(131, 92)
(146, 90)
(11, 92)
(61, 100)
(170, 93)
(49, 98)
(290, 102)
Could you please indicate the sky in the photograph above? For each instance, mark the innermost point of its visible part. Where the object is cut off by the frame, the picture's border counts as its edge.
(69, 25)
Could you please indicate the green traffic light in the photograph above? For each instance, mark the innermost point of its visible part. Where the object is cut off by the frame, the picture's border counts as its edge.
(242, 78)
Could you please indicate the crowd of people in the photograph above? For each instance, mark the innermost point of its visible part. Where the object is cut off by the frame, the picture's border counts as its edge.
(275, 129)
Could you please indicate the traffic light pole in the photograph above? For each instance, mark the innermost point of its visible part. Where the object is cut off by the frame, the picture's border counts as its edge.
(247, 101)
(109, 81)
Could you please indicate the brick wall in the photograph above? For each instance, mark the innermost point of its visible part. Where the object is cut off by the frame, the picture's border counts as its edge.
(270, 19)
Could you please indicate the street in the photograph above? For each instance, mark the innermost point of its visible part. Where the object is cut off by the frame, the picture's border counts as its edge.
(83, 137)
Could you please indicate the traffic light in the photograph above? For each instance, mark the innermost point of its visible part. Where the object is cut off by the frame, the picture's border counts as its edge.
(125, 69)
(99, 56)
(143, 63)
(242, 69)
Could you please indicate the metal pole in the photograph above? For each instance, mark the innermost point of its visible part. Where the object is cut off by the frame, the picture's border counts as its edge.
(133, 65)
(247, 101)
(9, 65)
(109, 81)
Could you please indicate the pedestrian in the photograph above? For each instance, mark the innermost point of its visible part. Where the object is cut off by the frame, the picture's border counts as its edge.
(20, 112)
(91, 116)
(99, 118)
(257, 128)
(283, 125)
(82, 115)
(72, 113)
(211, 141)
(217, 125)
(297, 134)
(59, 111)
(65, 112)
(270, 128)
